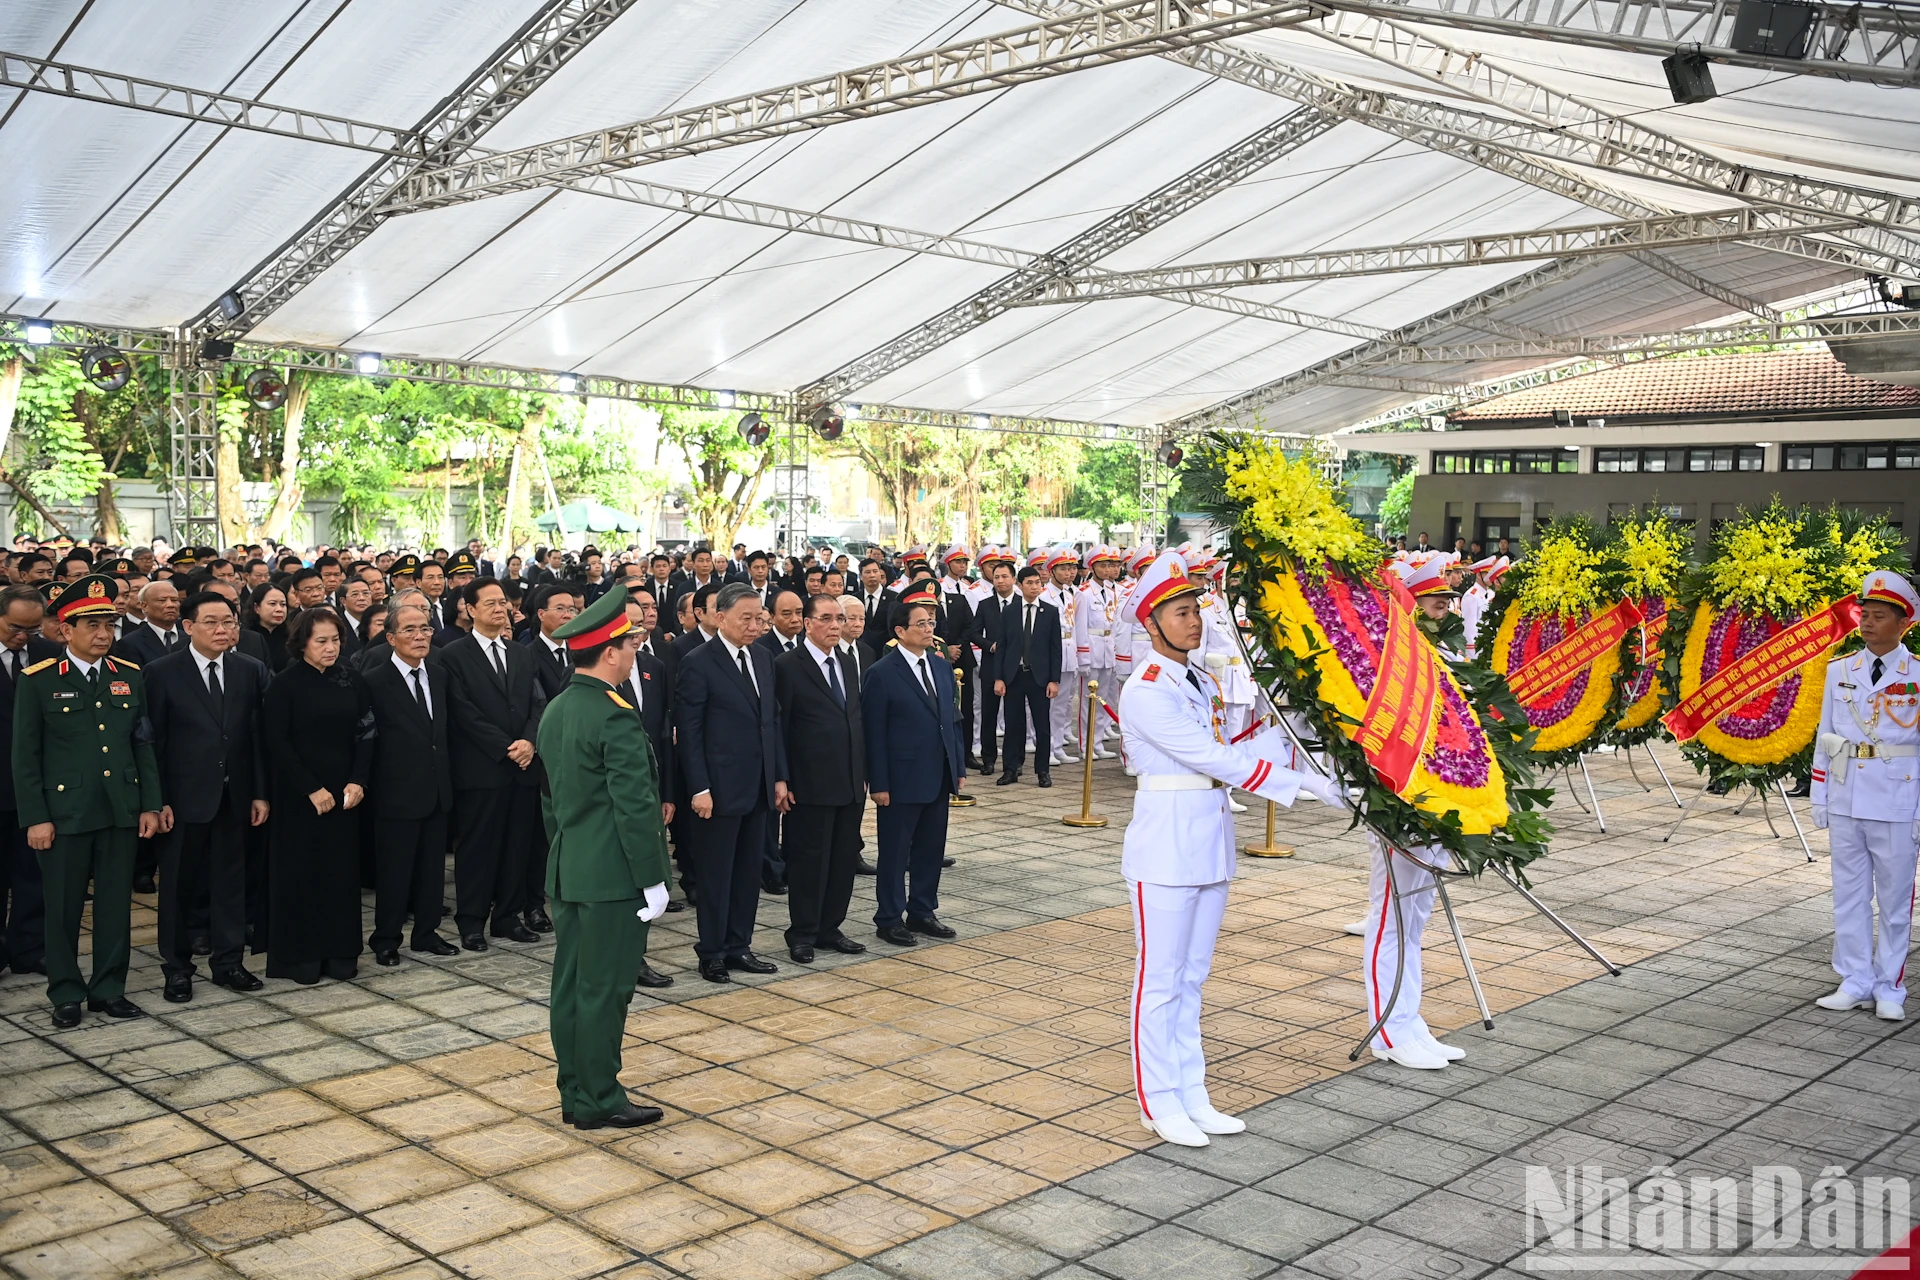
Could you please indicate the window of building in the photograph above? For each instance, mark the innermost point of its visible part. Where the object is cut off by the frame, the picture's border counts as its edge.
(1899, 455)
(1718, 458)
(1490, 462)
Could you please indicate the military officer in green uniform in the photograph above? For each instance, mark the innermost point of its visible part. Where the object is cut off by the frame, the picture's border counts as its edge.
(87, 784)
(607, 869)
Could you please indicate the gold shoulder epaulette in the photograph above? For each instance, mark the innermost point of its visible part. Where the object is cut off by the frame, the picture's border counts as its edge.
(41, 665)
(116, 661)
(619, 701)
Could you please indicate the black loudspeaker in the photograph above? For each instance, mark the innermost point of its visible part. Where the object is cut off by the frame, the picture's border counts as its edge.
(1772, 28)
(1689, 77)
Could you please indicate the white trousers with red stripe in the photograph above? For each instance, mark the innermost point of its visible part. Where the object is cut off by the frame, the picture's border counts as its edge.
(1103, 726)
(1068, 705)
(1174, 928)
(1392, 942)
(1873, 862)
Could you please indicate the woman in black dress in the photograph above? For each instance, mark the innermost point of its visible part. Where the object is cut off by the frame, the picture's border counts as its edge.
(266, 612)
(318, 722)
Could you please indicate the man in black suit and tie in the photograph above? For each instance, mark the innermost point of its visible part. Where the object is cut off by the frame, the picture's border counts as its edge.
(552, 605)
(856, 645)
(985, 636)
(788, 612)
(701, 564)
(495, 701)
(159, 633)
(818, 689)
(734, 766)
(433, 582)
(875, 600)
(23, 908)
(737, 566)
(1025, 670)
(412, 788)
(914, 763)
(759, 576)
(205, 703)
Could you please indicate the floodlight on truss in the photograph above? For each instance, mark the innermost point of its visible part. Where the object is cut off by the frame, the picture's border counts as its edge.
(367, 363)
(1169, 454)
(826, 423)
(567, 383)
(39, 332)
(107, 368)
(755, 429)
(266, 389)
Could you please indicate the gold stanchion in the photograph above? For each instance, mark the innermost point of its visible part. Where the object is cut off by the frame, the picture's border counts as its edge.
(1269, 849)
(1087, 817)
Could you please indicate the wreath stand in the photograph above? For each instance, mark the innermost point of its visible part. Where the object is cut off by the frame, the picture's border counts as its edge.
(1599, 818)
(1798, 831)
(1647, 746)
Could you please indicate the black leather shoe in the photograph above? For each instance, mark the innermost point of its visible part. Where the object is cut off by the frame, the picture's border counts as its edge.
(237, 980)
(202, 945)
(439, 946)
(36, 966)
(143, 884)
(847, 946)
(676, 905)
(539, 921)
(748, 962)
(778, 888)
(1006, 779)
(473, 942)
(897, 934)
(1801, 791)
(865, 868)
(801, 955)
(627, 1117)
(66, 1015)
(516, 933)
(649, 978)
(946, 862)
(715, 971)
(973, 763)
(931, 926)
(387, 958)
(119, 1007)
(179, 989)
(1044, 779)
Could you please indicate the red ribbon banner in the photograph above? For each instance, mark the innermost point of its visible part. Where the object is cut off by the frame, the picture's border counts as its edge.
(1761, 668)
(1574, 653)
(1405, 699)
(1651, 629)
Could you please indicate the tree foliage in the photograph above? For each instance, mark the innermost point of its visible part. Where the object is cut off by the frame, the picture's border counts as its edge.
(1106, 488)
(725, 471)
(1397, 506)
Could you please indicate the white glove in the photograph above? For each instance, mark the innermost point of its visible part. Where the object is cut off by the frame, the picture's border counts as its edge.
(1326, 790)
(1820, 818)
(1916, 830)
(656, 904)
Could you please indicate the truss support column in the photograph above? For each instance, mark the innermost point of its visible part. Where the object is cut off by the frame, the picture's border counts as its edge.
(795, 492)
(1156, 486)
(193, 447)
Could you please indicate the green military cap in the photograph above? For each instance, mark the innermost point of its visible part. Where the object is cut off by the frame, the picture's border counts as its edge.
(119, 567)
(405, 567)
(94, 593)
(461, 562)
(603, 620)
(184, 558)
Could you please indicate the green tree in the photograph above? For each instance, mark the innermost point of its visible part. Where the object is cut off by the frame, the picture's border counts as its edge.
(1397, 506)
(1017, 473)
(910, 465)
(1106, 489)
(726, 472)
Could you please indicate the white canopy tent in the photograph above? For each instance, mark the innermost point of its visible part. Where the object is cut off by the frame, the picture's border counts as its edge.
(116, 216)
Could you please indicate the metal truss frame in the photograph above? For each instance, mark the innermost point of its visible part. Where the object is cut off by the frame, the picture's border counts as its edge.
(1873, 43)
(1748, 224)
(85, 84)
(193, 440)
(1098, 36)
(1701, 285)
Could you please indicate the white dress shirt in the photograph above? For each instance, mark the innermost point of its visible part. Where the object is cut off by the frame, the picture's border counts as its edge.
(169, 637)
(406, 678)
(820, 657)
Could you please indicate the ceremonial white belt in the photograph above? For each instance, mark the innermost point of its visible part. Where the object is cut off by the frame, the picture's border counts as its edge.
(1103, 633)
(1177, 782)
(1878, 751)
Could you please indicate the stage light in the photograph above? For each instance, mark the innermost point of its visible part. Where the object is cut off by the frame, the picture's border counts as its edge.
(39, 332)
(853, 413)
(106, 368)
(216, 349)
(1763, 444)
(230, 304)
(826, 423)
(1563, 417)
(567, 382)
(1773, 28)
(724, 399)
(266, 389)
(1169, 454)
(1571, 448)
(367, 362)
(754, 429)
(1689, 77)
(981, 422)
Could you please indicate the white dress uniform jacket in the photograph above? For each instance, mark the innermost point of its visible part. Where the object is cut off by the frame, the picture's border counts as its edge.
(1093, 624)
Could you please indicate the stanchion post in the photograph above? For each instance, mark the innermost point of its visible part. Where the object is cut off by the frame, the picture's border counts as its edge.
(1269, 849)
(1087, 817)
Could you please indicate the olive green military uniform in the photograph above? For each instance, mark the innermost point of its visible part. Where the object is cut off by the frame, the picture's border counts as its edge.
(607, 847)
(83, 760)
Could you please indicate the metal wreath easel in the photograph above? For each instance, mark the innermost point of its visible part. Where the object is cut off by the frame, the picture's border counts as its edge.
(1765, 812)
(1439, 875)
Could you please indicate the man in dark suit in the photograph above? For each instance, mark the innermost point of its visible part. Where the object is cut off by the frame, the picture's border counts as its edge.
(205, 703)
(412, 788)
(23, 908)
(495, 701)
(701, 565)
(734, 767)
(818, 690)
(552, 606)
(159, 633)
(984, 636)
(856, 641)
(914, 763)
(1025, 670)
(788, 613)
(759, 576)
(736, 570)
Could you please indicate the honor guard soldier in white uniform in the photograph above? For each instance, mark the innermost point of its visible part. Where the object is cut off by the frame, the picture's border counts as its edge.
(1391, 939)
(1069, 703)
(1475, 599)
(1126, 628)
(1179, 851)
(1093, 633)
(1866, 788)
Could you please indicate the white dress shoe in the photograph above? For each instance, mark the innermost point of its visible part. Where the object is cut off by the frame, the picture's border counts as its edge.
(1357, 929)
(1234, 806)
(1064, 758)
(1416, 1054)
(1101, 753)
(1210, 1121)
(1132, 772)
(1840, 1000)
(1176, 1128)
(1885, 1010)
(1446, 1051)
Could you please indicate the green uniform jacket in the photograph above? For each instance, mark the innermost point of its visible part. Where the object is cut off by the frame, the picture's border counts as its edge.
(606, 840)
(83, 760)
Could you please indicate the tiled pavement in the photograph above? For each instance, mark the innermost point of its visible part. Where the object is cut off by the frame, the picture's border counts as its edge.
(962, 1110)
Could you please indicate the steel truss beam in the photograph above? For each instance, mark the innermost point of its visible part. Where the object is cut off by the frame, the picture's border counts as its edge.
(1703, 286)
(84, 84)
(1749, 224)
(1191, 189)
(193, 449)
(1782, 333)
(1099, 36)
(544, 44)
(1875, 43)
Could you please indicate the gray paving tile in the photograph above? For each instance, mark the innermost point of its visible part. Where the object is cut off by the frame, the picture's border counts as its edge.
(1668, 1134)
(1412, 1155)
(1492, 1233)
(1297, 1122)
(1533, 1101)
(1158, 1188)
(1281, 1229)
(1330, 1183)
(965, 1251)
(1474, 1126)
(1065, 1222)
(1373, 1253)
(1175, 1253)
(1242, 1157)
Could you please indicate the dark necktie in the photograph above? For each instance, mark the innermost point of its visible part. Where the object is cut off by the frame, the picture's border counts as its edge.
(926, 680)
(1878, 667)
(213, 686)
(499, 659)
(420, 693)
(167, 641)
(833, 683)
(1026, 636)
(742, 655)
(1194, 680)
(93, 681)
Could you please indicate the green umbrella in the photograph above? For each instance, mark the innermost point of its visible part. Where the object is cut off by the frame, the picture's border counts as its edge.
(589, 517)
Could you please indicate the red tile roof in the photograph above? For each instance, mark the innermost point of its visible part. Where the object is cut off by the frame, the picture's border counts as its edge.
(1782, 384)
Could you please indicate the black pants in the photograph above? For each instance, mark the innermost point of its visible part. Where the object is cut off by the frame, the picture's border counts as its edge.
(205, 860)
(727, 854)
(494, 830)
(989, 712)
(23, 903)
(409, 873)
(773, 861)
(822, 847)
(1027, 696)
(533, 891)
(256, 841)
(913, 840)
(963, 673)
